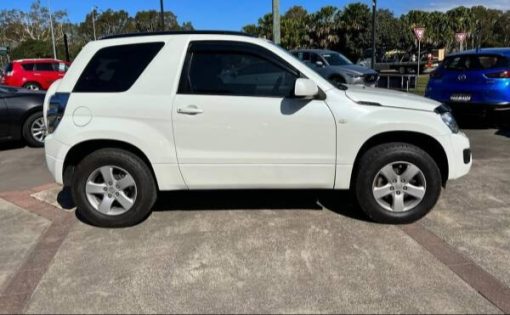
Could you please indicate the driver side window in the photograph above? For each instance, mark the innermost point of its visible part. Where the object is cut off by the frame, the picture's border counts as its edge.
(218, 70)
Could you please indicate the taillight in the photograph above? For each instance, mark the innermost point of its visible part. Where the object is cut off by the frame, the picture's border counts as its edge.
(499, 75)
(435, 75)
(56, 109)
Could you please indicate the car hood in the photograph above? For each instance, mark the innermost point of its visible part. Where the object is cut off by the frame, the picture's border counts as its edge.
(388, 98)
(354, 69)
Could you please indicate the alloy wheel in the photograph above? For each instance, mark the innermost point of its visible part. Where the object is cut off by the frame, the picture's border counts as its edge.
(111, 190)
(399, 187)
(38, 129)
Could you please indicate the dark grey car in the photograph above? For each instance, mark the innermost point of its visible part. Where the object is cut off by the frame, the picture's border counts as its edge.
(336, 67)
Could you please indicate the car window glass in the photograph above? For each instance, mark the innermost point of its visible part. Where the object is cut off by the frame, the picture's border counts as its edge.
(238, 74)
(28, 66)
(476, 62)
(44, 66)
(455, 63)
(336, 59)
(492, 61)
(116, 68)
(315, 57)
(8, 68)
(59, 66)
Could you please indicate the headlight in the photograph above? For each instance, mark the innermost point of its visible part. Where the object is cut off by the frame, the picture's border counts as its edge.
(450, 121)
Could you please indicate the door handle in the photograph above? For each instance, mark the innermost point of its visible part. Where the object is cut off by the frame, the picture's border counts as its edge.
(190, 110)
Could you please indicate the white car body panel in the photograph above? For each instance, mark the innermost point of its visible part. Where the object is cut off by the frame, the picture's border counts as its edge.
(281, 143)
(238, 142)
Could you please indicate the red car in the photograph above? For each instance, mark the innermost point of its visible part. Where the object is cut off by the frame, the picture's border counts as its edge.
(34, 74)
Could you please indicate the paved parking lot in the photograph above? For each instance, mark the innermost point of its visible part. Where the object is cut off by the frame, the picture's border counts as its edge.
(258, 252)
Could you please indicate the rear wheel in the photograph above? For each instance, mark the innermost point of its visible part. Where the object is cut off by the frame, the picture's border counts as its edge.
(34, 130)
(32, 86)
(113, 188)
(397, 183)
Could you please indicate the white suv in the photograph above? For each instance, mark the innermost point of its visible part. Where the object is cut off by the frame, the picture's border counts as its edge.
(144, 113)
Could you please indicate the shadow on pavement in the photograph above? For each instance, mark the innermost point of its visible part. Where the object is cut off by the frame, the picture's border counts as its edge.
(11, 145)
(505, 132)
(337, 201)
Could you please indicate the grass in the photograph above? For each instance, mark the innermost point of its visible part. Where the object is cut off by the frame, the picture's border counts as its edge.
(421, 86)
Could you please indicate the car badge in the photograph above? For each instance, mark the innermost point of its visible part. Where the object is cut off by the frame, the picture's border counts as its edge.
(462, 77)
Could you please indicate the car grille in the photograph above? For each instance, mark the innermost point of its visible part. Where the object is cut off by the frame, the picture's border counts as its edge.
(371, 78)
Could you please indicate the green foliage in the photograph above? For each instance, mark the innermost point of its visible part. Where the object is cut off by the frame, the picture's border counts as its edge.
(33, 49)
(349, 29)
(29, 32)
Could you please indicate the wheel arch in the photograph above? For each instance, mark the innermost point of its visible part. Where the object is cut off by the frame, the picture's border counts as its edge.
(82, 149)
(337, 75)
(423, 141)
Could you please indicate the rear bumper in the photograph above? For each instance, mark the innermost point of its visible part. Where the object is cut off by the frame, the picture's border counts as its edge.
(55, 152)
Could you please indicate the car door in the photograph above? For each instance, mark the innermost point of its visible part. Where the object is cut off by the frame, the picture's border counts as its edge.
(46, 73)
(237, 125)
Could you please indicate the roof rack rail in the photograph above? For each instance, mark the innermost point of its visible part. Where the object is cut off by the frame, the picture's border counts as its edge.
(176, 33)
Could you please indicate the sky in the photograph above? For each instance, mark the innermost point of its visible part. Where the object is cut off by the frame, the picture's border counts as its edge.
(234, 14)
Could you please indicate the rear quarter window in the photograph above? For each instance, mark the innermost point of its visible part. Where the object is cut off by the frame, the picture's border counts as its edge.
(116, 68)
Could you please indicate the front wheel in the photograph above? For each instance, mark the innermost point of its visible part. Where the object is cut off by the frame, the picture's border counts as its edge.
(113, 188)
(397, 183)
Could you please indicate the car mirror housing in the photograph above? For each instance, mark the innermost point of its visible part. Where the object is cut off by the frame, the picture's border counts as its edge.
(306, 88)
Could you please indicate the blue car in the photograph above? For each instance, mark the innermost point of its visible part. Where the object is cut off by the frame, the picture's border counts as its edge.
(473, 81)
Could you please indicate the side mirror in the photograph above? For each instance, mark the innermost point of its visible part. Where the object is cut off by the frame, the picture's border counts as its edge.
(305, 88)
(319, 64)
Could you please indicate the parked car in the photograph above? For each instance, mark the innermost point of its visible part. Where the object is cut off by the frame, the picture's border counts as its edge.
(336, 67)
(189, 113)
(21, 115)
(474, 81)
(34, 74)
(397, 61)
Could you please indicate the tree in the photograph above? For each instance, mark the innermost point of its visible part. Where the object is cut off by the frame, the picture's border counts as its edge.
(19, 26)
(294, 28)
(148, 21)
(323, 28)
(356, 32)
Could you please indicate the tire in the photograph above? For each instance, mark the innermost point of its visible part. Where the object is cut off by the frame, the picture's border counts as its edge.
(32, 86)
(141, 193)
(392, 158)
(34, 131)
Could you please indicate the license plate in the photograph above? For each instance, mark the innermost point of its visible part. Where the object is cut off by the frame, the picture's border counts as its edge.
(463, 98)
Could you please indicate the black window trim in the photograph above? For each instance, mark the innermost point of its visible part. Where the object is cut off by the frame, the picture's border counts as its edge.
(233, 46)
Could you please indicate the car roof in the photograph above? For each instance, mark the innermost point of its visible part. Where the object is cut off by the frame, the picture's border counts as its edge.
(317, 51)
(496, 51)
(202, 32)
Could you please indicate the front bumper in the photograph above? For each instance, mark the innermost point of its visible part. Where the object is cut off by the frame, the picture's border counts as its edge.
(458, 152)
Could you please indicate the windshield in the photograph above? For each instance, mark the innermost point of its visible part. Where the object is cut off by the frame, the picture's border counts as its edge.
(336, 59)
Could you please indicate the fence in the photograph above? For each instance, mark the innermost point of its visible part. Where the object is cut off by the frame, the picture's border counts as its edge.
(402, 82)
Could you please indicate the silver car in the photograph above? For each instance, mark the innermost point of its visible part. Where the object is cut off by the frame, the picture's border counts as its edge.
(336, 67)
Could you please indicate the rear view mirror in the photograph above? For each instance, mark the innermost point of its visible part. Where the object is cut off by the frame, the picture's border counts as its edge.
(306, 88)
(319, 64)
